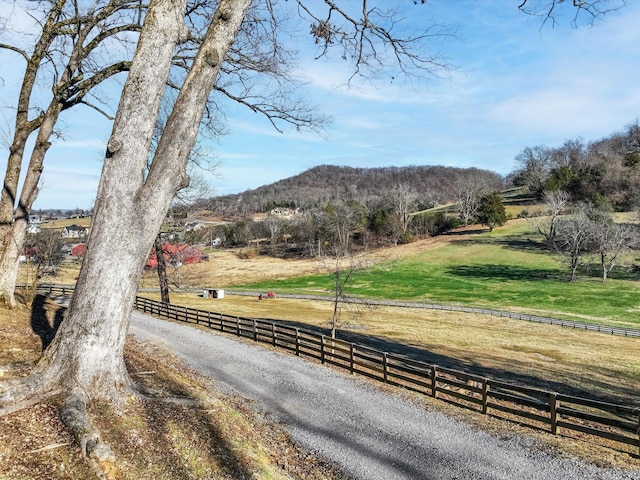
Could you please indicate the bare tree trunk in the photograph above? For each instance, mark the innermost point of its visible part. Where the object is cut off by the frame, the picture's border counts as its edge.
(15, 235)
(163, 281)
(23, 126)
(87, 353)
(605, 268)
(10, 261)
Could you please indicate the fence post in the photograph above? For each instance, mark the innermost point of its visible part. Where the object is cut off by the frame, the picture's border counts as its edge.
(322, 349)
(485, 395)
(209, 319)
(297, 342)
(197, 317)
(273, 334)
(221, 324)
(237, 326)
(434, 378)
(638, 435)
(352, 349)
(255, 330)
(385, 367)
(553, 408)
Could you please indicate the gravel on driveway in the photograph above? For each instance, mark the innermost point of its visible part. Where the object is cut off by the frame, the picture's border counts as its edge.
(372, 435)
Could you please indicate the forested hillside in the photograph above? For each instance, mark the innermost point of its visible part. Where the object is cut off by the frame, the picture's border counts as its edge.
(606, 170)
(367, 186)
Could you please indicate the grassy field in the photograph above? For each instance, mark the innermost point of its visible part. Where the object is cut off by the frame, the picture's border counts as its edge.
(66, 222)
(504, 269)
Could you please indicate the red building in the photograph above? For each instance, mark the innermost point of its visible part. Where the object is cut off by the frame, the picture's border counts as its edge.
(175, 254)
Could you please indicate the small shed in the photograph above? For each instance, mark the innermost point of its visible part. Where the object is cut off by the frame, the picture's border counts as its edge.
(213, 293)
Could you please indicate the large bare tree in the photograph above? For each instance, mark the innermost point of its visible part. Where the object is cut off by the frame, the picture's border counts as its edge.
(402, 201)
(555, 202)
(610, 240)
(85, 360)
(80, 45)
(77, 49)
(468, 189)
(535, 166)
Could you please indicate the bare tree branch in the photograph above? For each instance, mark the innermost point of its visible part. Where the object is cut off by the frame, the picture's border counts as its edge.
(589, 10)
(370, 42)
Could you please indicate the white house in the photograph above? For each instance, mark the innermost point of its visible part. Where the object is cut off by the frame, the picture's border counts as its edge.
(284, 212)
(33, 228)
(74, 231)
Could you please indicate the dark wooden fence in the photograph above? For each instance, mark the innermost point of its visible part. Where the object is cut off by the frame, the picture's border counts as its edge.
(535, 407)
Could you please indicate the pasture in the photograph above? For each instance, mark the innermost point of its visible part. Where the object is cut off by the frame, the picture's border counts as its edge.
(505, 269)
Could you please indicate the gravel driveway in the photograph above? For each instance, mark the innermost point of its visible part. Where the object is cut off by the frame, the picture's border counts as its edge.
(372, 435)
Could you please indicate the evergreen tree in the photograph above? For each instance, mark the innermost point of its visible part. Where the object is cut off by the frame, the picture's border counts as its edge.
(491, 211)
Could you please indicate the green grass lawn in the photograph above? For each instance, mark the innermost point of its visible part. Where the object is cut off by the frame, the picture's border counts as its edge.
(507, 268)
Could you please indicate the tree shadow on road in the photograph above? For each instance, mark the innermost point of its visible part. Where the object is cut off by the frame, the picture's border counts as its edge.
(200, 433)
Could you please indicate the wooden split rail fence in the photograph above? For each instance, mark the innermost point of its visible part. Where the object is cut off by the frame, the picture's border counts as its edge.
(541, 409)
(535, 407)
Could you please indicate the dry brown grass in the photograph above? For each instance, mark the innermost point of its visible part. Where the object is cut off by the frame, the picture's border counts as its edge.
(66, 222)
(185, 429)
(574, 361)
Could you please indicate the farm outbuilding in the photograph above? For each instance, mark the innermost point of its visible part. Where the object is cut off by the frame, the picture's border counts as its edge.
(213, 293)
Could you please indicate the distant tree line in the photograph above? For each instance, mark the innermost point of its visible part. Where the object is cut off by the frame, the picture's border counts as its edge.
(349, 226)
(45, 213)
(582, 184)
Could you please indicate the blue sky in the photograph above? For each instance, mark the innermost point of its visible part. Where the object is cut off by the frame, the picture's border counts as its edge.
(515, 85)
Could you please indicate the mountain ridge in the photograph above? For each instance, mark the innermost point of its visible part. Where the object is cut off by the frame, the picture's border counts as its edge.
(322, 184)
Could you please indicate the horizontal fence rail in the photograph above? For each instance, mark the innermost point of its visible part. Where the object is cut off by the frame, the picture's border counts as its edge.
(534, 407)
(577, 325)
